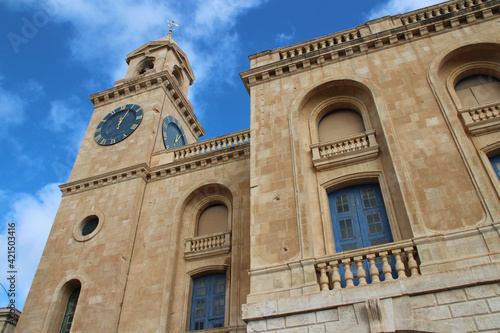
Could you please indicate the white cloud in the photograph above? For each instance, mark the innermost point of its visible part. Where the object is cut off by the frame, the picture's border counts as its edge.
(66, 115)
(113, 29)
(33, 216)
(284, 39)
(11, 109)
(393, 7)
(13, 105)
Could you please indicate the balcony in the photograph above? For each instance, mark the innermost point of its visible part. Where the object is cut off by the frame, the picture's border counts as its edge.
(481, 119)
(207, 245)
(350, 150)
(373, 261)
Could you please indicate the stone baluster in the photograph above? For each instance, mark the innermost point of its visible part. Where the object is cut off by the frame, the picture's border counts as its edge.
(373, 268)
(412, 263)
(348, 273)
(400, 267)
(361, 271)
(323, 277)
(386, 268)
(493, 111)
(335, 275)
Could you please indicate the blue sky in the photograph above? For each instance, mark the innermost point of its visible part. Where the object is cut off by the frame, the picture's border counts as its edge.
(55, 53)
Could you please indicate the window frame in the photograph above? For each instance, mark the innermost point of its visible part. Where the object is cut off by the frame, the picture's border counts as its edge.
(330, 104)
(202, 271)
(211, 200)
(210, 296)
(468, 69)
(353, 179)
(67, 312)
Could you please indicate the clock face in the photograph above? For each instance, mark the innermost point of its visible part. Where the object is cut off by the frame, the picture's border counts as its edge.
(118, 124)
(173, 134)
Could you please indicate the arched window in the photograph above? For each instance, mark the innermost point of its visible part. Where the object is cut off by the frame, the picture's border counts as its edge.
(145, 66)
(340, 123)
(478, 89)
(178, 75)
(70, 311)
(208, 302)
(212, 220)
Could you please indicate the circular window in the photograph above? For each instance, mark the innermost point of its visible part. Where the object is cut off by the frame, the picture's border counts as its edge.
(90, 225)
(87, 228)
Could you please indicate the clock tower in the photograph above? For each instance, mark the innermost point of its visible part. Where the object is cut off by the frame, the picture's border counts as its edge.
(122, 241)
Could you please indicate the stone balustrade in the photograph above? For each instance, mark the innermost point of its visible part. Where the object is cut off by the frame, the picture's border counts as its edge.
(343, 151)
(208, 245)
(439, 11)
(403, 254)
(212, 145)
(482, 119)
(317, 44)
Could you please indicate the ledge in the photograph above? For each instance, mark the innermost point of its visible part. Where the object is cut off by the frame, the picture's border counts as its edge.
(109, 178)
(418, 285)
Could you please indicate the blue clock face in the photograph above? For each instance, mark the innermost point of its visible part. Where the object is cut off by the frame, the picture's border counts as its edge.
(173, 134)
(118, 124)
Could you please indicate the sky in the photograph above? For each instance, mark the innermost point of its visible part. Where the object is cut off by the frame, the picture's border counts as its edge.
(55, 53)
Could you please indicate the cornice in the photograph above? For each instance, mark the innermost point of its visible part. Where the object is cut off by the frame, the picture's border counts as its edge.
(117, 176)
(354, 42)
(143, 83)
(188, 164)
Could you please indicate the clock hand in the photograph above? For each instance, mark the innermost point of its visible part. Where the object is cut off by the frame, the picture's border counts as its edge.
(121, 119)
(177, 137)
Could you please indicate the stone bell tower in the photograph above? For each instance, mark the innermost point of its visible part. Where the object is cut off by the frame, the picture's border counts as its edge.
(89, 252)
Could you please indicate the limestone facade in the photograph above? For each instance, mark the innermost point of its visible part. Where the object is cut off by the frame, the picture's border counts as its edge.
(284, 249)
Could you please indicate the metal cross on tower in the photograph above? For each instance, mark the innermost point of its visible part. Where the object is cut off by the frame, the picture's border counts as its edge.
(172, 26)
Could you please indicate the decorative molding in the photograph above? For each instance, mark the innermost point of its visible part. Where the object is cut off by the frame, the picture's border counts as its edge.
(357, 41)
(219, 150)
(109, 178)
(140, 84)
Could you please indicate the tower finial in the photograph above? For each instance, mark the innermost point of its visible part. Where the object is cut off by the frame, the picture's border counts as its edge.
(172, 26)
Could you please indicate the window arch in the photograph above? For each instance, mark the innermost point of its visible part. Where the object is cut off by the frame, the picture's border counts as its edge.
(213, 219)
(145, 65)
(340, 123)
(478, 89)
(178, 75)
(208, 301)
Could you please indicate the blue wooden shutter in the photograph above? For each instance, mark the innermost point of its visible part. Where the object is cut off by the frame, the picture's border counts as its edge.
(208, 302)
(359, 220)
